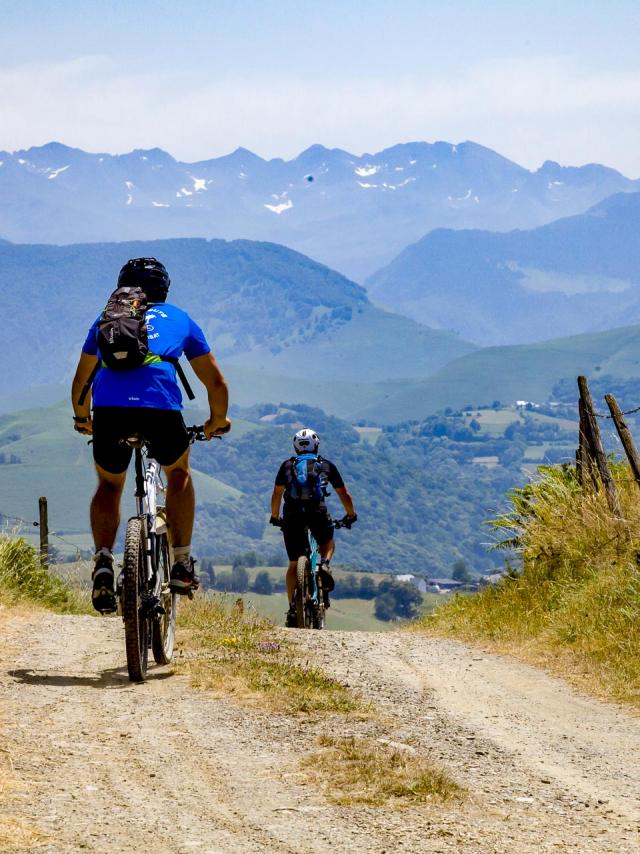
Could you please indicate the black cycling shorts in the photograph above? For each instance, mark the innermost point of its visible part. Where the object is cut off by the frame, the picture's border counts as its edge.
(163, 428)
(294, 525)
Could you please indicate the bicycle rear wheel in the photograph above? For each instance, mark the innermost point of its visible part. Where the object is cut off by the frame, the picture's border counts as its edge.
(302, 590)
(134, 581)
(163, 628)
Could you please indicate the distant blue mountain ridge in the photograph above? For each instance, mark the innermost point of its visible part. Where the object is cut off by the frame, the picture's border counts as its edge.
(354, 213)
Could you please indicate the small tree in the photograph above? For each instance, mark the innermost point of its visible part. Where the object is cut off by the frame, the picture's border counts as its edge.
(239, 579)
(367, 587)
(349, 587)
(403, 600)
(385, 607)
(224, 582)
(263, 584)
(460, 571)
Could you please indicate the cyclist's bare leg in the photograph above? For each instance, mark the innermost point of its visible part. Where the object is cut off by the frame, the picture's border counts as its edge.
(181, 501)
(291, 580)
(105, 508)
(327, 549)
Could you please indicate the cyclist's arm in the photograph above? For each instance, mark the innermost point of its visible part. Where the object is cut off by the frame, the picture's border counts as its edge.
(347, 501)
(86, 364)
(210, 375)
(276, 499)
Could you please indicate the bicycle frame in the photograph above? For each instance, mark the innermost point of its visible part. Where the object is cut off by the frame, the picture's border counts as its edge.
(314, 559)
(148, 484)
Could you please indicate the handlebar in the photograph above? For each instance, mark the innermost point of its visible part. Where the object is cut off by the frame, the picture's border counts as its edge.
(345, 522)
(196, 434)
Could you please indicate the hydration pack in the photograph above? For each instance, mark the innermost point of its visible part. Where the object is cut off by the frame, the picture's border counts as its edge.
(122, 330)
(123, 340)
(306, 481)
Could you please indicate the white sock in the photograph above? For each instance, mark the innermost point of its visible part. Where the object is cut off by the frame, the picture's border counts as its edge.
(104, 551)
(181, 554)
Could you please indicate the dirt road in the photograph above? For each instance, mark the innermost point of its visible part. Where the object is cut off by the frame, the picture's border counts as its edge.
(546, 769)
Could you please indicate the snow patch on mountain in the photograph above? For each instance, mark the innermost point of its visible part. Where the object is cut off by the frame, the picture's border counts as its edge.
(284, 206)
(55, 172)
(366, 171)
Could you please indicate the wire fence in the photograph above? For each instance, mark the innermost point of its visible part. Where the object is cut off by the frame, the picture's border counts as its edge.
(26, 526)
(610, 417)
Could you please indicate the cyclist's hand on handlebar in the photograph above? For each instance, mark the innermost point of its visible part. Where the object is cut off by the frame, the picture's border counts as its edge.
(347, 521)
(276, 521)
(216, 427)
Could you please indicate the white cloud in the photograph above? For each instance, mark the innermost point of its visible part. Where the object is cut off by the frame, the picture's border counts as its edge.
(530, 110)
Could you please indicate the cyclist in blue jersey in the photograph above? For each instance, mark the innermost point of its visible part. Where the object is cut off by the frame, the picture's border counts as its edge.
(145, 400)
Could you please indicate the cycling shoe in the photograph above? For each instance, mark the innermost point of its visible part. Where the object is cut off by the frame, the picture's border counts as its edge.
(184, 578)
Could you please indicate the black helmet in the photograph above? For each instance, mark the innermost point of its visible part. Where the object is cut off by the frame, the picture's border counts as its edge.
(148, 274)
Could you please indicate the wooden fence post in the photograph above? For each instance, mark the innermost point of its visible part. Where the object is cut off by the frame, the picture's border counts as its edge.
(588, 472)
(625, 436)
(44, 531)
(596, 448)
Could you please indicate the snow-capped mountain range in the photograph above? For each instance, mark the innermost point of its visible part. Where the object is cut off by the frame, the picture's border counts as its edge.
(350, 212)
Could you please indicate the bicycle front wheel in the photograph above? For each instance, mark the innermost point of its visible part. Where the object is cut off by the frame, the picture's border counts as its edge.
(163, 629)
(302, 590)
(318, 610)
(134, 582)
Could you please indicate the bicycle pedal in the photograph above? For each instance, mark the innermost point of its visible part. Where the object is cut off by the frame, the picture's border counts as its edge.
(151, 605)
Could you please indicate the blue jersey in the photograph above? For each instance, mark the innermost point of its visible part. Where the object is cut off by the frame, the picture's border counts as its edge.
(171, 333)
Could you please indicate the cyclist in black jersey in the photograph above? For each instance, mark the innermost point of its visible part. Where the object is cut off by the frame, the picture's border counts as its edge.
(305, 507)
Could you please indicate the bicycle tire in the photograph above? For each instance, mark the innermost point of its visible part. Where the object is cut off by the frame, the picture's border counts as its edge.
(302, 574)
(319, 611)
(136, 623)
(163, 628)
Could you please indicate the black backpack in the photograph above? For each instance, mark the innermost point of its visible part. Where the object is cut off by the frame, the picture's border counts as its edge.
(122, 330)
(122, 337)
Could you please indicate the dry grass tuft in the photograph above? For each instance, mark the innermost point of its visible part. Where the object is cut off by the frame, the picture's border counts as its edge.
(237, 653)
(24, 579)
(372, 772)
(574, 607)
(15, 834)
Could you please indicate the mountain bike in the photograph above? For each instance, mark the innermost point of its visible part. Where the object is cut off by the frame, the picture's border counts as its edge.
(147, 605)
(310, 593)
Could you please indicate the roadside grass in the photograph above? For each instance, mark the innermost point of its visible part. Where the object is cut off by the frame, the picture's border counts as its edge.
(369, 771)
(23, 579)
(229, 649)
(574, 606)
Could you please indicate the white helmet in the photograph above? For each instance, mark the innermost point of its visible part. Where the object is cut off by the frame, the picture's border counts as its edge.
(306, 441)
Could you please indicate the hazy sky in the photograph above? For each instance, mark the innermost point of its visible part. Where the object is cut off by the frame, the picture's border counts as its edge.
(534, 80)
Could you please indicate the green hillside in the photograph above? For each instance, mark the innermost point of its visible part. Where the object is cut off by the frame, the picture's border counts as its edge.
(507, 374)
(575, 275)
(260, 304)
(375, 346)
